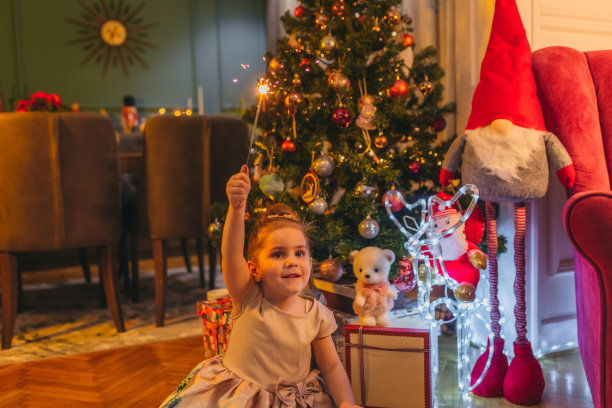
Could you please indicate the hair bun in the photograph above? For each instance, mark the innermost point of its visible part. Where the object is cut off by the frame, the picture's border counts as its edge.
(279, 211)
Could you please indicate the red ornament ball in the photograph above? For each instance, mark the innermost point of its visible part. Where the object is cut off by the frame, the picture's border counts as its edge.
(399, 88)
(342, 117)
(299, 11)
(288, 146)
(414, 167)
(439, 125)
(395, 198)
(405, 280)
(407, 40)
(339, 8)
(331, 270)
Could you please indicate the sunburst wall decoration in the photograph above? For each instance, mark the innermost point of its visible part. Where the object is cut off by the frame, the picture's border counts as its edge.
(112, 34)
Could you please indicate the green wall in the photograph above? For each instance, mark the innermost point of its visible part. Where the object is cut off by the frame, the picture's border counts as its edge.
(200, 43)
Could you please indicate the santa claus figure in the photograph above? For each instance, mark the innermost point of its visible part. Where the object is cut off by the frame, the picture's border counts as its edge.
(505, 151)
(462, 259)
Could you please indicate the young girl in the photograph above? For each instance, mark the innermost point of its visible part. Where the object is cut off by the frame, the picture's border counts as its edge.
(274, 327)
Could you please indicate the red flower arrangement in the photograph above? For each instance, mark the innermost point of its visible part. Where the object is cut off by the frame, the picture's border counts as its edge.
(41, 101)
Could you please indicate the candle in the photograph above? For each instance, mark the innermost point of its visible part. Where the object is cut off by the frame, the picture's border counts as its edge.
(200, 100)
(190, 103)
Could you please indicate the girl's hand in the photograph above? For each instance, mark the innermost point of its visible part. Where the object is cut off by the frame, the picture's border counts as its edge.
(238, 188)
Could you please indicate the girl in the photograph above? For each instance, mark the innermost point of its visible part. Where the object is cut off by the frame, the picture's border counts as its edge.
(274, 327)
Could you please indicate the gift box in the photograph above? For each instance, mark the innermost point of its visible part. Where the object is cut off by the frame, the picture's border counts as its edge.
(391, 366)
(216, 325)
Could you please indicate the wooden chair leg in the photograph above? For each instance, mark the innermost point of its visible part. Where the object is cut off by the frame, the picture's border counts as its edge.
(200, 260)
(8, 273)
(161, 277)
(185, 250)
(133, 247)
(108, 275)
(212, 265)
(21, 305)
(85, 264)
(124, 266)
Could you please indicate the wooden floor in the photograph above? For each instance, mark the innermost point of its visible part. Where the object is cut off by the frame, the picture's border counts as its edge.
(138, 376)
(142, 376)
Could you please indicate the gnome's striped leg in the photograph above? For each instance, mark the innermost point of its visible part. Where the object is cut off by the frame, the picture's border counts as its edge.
(492, 263)
(524, 381)
(519, 280)
(492, 382)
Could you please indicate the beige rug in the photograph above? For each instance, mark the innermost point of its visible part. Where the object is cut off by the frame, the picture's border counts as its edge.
(65, 317)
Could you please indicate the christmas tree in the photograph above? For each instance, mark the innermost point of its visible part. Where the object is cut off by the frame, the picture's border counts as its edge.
(351, 114)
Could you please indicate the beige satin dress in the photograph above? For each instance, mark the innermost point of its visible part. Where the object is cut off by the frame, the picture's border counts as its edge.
(267, 363)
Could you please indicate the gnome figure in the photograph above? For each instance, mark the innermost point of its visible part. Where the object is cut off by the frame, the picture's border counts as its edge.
(505, 151)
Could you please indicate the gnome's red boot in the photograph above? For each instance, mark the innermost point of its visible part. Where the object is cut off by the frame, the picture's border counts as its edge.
(524, 382)
(492, 383)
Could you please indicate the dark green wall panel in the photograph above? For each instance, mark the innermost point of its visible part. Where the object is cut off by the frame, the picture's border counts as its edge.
(200, 43)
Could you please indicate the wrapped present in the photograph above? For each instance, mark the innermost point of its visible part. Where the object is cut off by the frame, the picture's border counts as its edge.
(391, 366)
(216, 325)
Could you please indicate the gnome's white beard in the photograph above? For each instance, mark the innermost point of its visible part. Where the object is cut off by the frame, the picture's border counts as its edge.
(454, 245)
(504, 155)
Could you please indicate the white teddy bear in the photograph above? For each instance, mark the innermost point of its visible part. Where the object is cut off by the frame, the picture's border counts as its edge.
(374, 297)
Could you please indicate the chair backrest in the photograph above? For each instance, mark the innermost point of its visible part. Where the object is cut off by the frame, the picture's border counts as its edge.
(59, 181)
(575, 90)
(188, 160)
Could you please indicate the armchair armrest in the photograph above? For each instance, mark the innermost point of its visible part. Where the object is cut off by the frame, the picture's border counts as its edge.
(588, 222)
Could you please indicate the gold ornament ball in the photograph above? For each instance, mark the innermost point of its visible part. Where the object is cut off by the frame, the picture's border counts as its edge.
(426, 87)
(331, 270)
(392, 17)
(338, 81)
(293, 99)
(422, 272)
(466, 292)
(296, 81)
(381, 141)
(328, 43)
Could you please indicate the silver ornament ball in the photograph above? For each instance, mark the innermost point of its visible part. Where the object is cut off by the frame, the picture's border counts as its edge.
(324, 165)
(368, 228)
(319, 206)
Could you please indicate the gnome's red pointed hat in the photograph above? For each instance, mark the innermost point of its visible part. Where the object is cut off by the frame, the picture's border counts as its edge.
(506, 89)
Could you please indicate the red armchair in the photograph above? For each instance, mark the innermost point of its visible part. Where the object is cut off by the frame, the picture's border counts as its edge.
(575, 90)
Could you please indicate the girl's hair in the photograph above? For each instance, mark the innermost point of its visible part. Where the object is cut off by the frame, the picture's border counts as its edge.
(276, 216)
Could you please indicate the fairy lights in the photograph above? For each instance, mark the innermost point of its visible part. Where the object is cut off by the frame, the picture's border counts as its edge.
(423, 245)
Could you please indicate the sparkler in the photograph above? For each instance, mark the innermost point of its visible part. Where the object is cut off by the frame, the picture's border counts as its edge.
(263, 88)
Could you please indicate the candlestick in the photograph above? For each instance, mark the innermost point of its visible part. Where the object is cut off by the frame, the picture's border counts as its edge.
(200, 100)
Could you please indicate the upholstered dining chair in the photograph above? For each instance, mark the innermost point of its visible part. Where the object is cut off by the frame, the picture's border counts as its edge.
(575, 91)
(59, 189)
(188, 160)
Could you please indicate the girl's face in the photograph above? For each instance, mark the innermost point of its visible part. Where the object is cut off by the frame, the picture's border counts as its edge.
(283, 263)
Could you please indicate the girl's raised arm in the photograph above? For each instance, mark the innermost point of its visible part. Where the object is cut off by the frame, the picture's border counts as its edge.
(235, 269)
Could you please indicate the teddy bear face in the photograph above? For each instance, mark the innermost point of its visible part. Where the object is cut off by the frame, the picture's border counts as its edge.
(371, 264)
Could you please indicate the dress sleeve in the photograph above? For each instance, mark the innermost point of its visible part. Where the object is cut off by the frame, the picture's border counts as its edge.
(327, 322)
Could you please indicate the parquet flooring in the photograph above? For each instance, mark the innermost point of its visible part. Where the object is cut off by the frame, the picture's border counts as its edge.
(137, 376)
